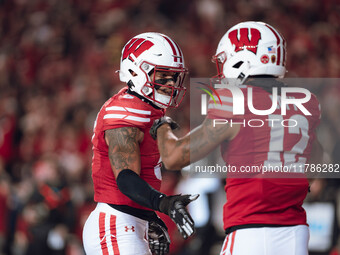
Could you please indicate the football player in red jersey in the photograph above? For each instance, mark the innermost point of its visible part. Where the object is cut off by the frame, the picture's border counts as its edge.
(126, 164)
(262, 215)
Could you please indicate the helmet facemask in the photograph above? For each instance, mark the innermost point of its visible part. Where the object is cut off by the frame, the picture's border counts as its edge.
(166, 90)
(219, 59)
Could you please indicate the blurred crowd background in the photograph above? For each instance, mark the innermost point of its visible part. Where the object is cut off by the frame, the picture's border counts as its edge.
(57, 67)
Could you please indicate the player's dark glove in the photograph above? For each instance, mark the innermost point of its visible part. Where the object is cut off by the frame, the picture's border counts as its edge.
(174, 206)
(159, 122)
(159, 240)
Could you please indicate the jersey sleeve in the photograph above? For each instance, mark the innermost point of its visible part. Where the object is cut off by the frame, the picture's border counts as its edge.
(315, 110)
(221, 105)
(122, 116)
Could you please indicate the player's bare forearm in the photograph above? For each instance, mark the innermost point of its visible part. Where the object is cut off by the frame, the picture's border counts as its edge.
(124, 148)
(179, 152)
(175, 152)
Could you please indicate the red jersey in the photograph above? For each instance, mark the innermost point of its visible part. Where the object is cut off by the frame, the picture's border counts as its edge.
(266, 140)
(124, 110)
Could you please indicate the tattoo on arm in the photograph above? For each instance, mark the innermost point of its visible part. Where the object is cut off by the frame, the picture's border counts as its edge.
(192, 147)
(183, 145)
(217, 133)
(206, 138)
(170, 147)
(123, 147)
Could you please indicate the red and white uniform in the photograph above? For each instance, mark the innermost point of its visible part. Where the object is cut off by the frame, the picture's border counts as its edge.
(105, 230)
(263, 200)
(124, 110)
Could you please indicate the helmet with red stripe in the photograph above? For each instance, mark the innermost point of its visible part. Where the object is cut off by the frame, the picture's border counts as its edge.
(250, 49)
(146, 54)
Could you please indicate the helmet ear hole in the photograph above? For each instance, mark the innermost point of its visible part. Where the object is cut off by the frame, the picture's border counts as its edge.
(132, 73)
(238, 64)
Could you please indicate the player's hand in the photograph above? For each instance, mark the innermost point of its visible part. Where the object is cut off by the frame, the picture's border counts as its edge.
(159, 122)
(174, 206)
(159, 239)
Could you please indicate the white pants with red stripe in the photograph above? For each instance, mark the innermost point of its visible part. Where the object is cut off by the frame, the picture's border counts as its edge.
(267, 241)
(111, 232)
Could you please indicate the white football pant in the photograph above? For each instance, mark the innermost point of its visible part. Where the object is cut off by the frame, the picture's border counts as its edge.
(267, 241)
(111, 232)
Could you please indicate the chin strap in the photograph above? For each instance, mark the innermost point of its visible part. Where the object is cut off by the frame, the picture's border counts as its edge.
(129, 91)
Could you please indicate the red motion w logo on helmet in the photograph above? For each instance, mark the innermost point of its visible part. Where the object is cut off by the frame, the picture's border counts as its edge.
(136, 47)
(244, 42)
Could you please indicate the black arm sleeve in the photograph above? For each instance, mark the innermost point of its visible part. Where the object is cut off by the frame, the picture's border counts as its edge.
(138, 190)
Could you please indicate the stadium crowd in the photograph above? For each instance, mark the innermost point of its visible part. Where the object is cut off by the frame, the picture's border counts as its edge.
(57, 67)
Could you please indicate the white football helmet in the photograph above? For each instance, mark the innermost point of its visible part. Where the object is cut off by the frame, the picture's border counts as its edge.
(142, 57)
(250, 49)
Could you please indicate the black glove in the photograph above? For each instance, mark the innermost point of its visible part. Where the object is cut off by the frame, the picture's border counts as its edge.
(159, 122)
(174, 206)
(159, 239)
